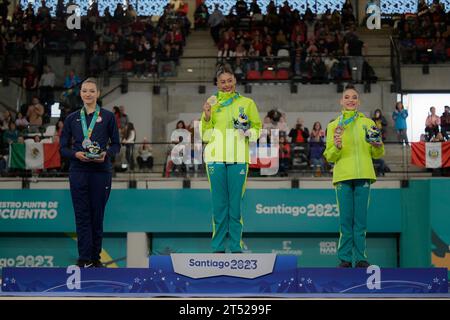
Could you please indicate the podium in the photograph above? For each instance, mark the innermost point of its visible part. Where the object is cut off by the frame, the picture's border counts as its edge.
(223, 275)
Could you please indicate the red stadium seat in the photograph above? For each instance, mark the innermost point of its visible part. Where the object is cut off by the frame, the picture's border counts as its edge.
(126, 65)
(282, 74)
(269, 75)
(253, 75)
(448, 52)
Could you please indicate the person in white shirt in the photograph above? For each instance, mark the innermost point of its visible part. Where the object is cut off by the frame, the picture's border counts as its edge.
(46, 84)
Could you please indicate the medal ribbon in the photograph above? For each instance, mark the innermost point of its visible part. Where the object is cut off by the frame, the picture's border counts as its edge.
(87, 132)
(228, 101)
(343, 123)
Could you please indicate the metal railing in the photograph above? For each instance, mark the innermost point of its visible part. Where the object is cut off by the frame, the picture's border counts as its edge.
(395, 64)
(397, 161)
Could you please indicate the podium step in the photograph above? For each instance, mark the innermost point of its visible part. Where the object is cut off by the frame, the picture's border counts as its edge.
(223, 275)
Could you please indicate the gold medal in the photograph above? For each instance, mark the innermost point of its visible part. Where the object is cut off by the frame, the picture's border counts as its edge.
(212, 100)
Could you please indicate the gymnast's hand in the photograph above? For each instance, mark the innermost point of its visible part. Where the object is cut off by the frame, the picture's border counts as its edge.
(207, 111)
(338, 141)
(101, 159)
(81, 156)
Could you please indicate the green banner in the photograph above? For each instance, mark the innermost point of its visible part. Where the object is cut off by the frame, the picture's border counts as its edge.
(60, 250)
(311, 251)
(293, 210)
(440, 223)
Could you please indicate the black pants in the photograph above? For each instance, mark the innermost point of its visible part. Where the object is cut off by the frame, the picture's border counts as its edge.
(90, 193)
(129, 154)
(147, 163)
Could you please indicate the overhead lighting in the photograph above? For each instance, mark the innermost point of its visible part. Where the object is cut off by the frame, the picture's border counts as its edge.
(190, 70)
(270, 68)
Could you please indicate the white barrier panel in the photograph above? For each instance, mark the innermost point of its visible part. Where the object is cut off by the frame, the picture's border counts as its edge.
(240, 265)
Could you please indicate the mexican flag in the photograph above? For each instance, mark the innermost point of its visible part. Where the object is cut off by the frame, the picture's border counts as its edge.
(34, 155)
(430, 154)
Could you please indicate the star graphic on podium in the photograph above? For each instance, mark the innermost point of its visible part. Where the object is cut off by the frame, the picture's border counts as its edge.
(309, 281)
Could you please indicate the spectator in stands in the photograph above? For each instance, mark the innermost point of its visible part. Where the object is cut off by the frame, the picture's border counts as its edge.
(37, 139)
(316, 148)
(10, 135)
(439, 49)
(4, 10)
(432, 124)
(240, 52)
(97, 60)
(241, 9)
(128, 141)
(145, 157)
(284, 155)
(21, 122)
(380, 167)
(225, 54)
(254, 8)
(408, 49)
(201, 15)
(59, 128)
(215, 21)
(380, 122)
(116, 112)
(438, 138)
(399, 116)
(30, 82)
(3, 164)
(170, 166)
(333, 67)
(112, 56)
(119, 13)
(348, 17)
(35, 113)
(34, 49)
(6, 118)
(123, 118)
(445, 123)
(318, 70)
(46, 84)
(167, 64)
(299, 134)
(353, 172)
(72, 90)
(280, 40)
(355, 49)
(139, 62)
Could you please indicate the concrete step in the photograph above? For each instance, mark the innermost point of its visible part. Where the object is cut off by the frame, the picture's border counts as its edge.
(383, 73)
(379, 61)
(376, 51)
(200, 52)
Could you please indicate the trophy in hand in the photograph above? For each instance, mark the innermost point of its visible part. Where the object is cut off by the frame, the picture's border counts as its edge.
(92, 149)
(373, 135)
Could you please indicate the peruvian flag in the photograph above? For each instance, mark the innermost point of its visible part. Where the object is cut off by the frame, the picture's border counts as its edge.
(34, 156)
(430, 154)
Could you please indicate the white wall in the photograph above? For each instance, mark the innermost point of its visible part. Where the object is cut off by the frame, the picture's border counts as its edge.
(418, 106)
(138, 106)
(437, 79)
